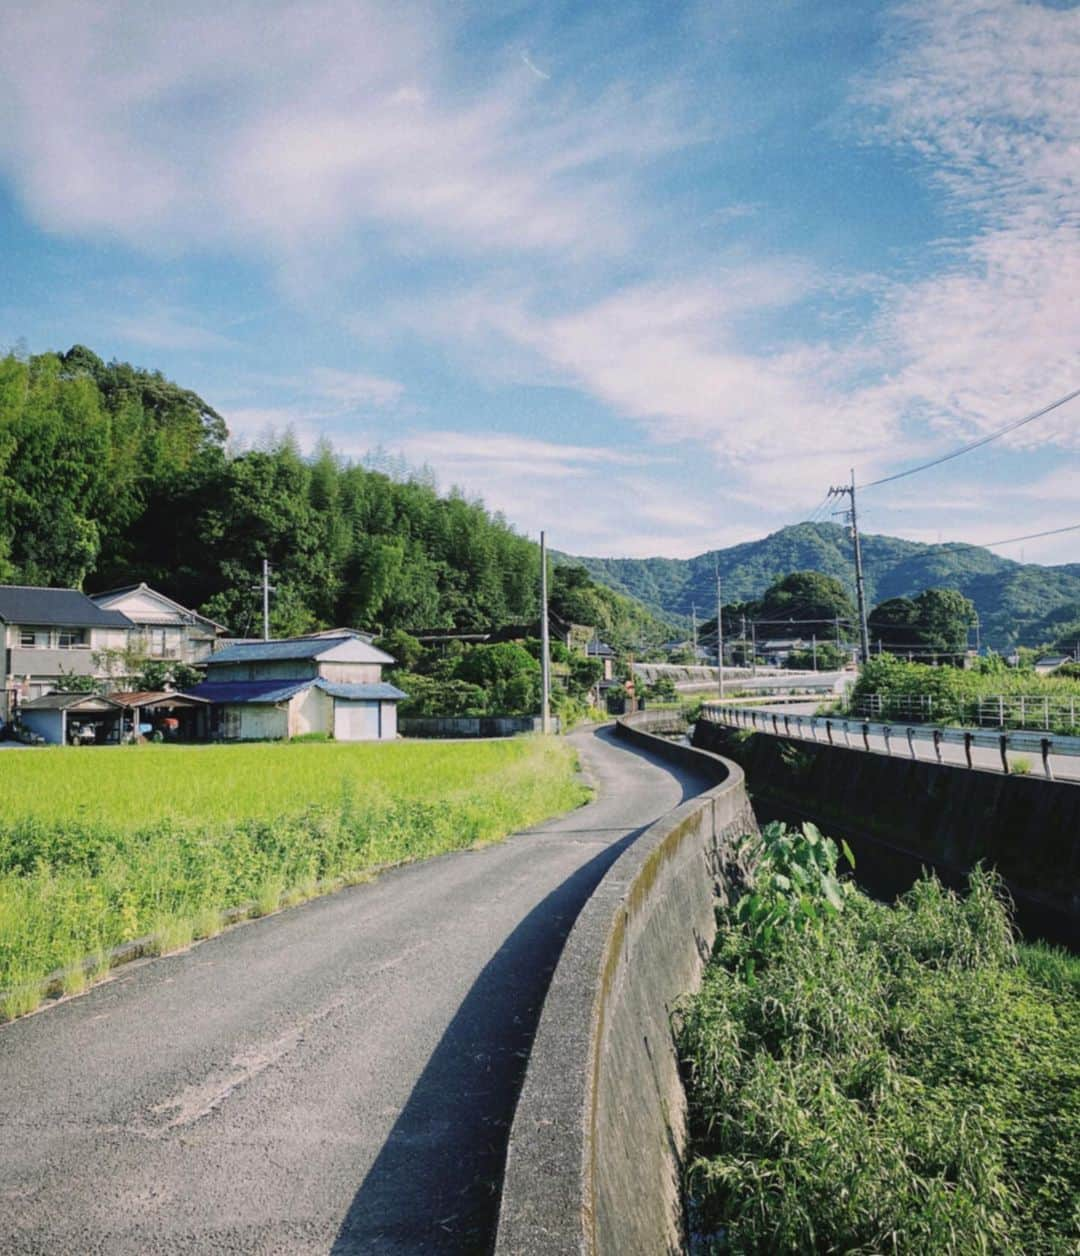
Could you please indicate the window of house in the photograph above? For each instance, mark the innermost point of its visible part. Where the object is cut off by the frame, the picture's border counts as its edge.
(158, 642)
(27, 638)
(69, 638)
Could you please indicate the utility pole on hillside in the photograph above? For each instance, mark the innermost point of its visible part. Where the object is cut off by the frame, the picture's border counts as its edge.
(693, 628)
(848, 490)
(545, 643)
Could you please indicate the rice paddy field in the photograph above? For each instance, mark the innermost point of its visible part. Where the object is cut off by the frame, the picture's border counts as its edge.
(867, 1078)
(101, 846)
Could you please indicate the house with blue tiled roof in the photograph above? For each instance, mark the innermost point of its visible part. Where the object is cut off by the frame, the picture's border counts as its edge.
(329, 682)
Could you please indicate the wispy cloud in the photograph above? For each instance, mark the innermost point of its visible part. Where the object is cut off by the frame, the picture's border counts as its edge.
(269, 125)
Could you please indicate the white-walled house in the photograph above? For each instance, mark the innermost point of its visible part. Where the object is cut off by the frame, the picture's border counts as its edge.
(49, 633)
(163, 629)
(325, 683)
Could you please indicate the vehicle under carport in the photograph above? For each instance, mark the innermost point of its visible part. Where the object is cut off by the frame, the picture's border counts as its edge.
(60, 718)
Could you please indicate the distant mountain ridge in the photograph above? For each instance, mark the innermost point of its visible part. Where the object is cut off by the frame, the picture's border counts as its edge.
(1018, 603)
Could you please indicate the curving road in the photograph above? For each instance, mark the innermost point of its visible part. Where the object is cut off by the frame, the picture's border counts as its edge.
(336, 1078)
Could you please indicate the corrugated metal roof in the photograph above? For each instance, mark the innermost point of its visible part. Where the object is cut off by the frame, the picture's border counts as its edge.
(65, 701)
(295, 648)
(241, 691)
(25, 604)
(151, 697)
(383, 690)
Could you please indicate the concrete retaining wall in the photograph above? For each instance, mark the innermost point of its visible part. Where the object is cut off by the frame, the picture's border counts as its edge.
(900, 815)
(594, 1158)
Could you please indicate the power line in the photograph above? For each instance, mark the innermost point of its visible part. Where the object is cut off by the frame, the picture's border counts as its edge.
(1011, 540)
(976, 444)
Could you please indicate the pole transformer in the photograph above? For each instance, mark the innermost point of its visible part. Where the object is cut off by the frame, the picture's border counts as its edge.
(545, 643)
(848, 490)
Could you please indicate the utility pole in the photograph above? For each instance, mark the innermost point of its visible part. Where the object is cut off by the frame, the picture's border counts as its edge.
(848, 490)
(719, 633)
(267, 589)
(813, 647)
(693, 630)
(753, 647)
(545, 643)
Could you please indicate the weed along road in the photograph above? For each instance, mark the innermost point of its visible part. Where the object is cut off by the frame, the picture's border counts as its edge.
(339, 1077)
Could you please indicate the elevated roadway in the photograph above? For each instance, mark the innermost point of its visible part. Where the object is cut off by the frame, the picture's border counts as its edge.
(337, 1078)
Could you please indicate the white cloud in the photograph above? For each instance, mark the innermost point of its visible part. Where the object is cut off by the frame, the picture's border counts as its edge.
(353, 389)
(169, 329)
(288, 126)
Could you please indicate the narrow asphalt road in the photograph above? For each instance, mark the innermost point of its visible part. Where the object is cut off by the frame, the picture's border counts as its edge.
(336, 1078)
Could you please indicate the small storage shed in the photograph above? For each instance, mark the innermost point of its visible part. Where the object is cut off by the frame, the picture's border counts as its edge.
(62, 717)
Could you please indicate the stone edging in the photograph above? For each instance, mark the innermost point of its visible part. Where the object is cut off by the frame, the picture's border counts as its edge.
(594, 1158)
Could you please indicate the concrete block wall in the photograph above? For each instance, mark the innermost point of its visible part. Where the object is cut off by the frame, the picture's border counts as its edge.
(594, 1158)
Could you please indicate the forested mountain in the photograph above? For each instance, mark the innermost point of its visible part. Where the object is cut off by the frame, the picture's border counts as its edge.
(110, 475)
(1017, 602)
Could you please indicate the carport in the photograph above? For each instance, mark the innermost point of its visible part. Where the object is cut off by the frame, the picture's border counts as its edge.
(177, 716)
(63, 717)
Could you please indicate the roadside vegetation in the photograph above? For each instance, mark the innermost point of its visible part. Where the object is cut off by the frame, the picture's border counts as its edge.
(918, 692)
(100, 849)
(871, 1078)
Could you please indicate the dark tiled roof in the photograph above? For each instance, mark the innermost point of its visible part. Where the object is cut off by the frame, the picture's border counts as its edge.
(292, 648)
(383, 690)
(600, 649)
(239, 691)
(65, 608)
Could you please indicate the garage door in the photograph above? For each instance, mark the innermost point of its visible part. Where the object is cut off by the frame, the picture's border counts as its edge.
(356, 721)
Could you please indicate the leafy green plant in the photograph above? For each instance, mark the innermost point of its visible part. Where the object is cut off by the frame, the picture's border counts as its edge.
(794, 885)
(886, 1079)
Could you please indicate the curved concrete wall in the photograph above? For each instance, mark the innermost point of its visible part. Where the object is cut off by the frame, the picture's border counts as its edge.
(594, 1158)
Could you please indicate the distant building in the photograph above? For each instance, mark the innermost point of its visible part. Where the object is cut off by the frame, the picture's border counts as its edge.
(48, 634)
(1050, 663)
(597, 649)
(326, 683)
(163, 629)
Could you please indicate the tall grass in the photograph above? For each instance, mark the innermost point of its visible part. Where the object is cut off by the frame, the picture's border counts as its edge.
(886, 1079)
(100, 847)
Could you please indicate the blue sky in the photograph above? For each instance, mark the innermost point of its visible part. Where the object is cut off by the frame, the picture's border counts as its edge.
(651, 276)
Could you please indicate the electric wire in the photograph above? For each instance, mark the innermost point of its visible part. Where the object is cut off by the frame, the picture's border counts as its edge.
(975, 444)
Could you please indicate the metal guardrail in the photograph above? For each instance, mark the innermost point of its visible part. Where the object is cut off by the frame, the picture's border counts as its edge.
(838, 731)
(1039, 712)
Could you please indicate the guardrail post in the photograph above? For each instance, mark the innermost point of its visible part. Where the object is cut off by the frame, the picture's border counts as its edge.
(828, 731)
(1047, 742)
(847, 735)
(866, 736)
(911, 742)
(886, 732)
(968, 739)
(937, 743)
(787, 726)
(776, 725)
(1003, 742)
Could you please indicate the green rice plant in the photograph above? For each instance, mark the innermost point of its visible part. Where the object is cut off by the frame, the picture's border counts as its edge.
(1020, 766)
(97, 849)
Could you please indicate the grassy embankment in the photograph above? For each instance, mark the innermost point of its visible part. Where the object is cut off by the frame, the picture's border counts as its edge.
(100, 847)
(865, 1078)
